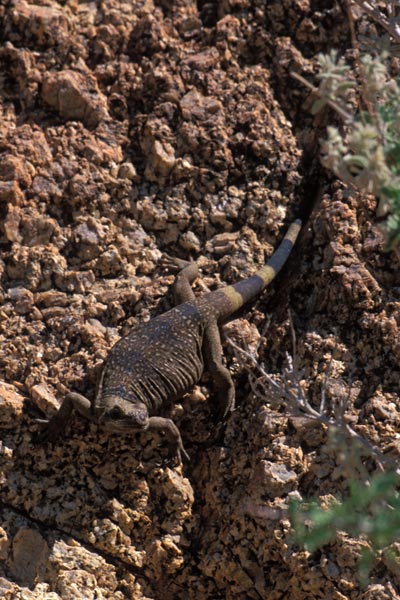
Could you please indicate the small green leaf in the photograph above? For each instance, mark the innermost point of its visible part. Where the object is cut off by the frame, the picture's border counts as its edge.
(318, 106)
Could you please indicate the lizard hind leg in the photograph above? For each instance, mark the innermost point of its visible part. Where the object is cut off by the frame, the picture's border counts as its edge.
(224, 388)
(187, 273)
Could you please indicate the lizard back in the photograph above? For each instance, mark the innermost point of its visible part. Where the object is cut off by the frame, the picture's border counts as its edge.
(157, 361)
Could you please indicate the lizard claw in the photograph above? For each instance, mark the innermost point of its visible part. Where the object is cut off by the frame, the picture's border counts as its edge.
(180, 450)
(40, 437)
(50, 432)
(223, 410)
(177, 450)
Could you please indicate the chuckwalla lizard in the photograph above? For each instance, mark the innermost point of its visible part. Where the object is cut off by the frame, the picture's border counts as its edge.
(159, 361)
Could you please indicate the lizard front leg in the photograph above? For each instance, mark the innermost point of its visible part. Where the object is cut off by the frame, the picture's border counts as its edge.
(173, 435)
(59, 421)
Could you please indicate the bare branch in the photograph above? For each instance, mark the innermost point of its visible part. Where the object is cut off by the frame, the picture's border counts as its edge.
(391, 25)
(292, 392)
(347, 117)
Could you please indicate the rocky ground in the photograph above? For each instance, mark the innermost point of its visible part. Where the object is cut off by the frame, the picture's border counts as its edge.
(129, 129)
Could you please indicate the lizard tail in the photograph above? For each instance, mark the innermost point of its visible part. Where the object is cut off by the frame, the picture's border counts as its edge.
(248, 289)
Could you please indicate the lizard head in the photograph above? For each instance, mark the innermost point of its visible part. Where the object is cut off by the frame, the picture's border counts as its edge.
(123, 415)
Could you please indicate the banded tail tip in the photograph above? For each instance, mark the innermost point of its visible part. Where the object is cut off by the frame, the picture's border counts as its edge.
(293, 231)
(281, 254)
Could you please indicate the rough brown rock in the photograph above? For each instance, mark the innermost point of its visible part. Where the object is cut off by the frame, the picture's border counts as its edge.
(132, 128)
(75, 96)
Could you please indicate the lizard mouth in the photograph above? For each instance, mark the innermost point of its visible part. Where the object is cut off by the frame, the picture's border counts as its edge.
(125, 425)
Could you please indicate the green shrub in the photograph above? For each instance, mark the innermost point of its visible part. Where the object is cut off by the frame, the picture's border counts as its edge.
(365, 152)
(370, 511)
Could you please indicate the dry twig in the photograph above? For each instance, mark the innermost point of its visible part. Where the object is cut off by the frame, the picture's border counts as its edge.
(390, 24)
(292, 392)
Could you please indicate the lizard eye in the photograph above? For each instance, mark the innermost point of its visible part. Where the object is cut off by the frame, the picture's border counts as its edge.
(115, 412)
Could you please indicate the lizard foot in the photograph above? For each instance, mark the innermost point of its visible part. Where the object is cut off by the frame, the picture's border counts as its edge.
(172, 434)
(173, 264)
(50, 431)
(53, 428)
(223, 408)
